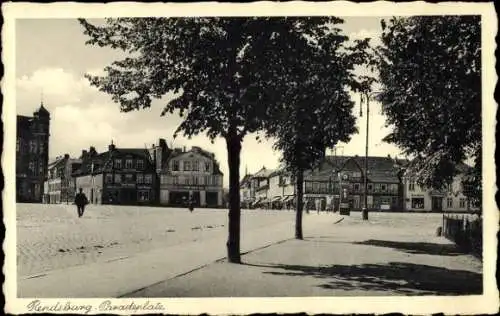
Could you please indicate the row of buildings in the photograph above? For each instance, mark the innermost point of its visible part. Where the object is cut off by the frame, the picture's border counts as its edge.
(340, 179)
(157, 175)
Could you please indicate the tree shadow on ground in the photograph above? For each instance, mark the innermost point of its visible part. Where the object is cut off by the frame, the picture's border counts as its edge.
(416, 247)
(400, 278)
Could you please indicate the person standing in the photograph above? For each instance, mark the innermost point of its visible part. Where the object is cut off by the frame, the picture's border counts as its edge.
(80, 201)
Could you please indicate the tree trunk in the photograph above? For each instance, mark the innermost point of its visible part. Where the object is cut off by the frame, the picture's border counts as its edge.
(299, 206)
(233, 241)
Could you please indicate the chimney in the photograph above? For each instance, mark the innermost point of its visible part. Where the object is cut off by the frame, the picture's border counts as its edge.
(162, 143)
(66, 156)
(111, 147)
(184, 149)
(84, 154)
(389, 156)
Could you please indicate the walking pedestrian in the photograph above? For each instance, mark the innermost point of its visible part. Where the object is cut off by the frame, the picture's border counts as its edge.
(80, 201)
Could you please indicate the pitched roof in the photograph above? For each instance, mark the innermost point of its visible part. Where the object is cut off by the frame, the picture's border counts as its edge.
(176, 152)
(380, 169)
(263, 173)
(246, 179)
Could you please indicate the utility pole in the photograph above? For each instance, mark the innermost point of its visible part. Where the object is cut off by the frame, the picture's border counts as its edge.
(366, 95)
(365, 209)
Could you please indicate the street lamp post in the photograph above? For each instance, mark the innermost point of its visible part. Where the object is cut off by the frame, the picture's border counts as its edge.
(366, 95)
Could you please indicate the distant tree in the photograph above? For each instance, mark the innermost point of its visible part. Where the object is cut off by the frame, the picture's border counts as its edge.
(430, 72)
(315, 111)
(218, 68)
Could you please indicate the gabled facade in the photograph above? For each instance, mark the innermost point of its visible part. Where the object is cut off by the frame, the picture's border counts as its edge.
(247, 192)
(340, 179)
(60, 184)
(123, 176)
(193, 174)
(261, 184)
(32, 155)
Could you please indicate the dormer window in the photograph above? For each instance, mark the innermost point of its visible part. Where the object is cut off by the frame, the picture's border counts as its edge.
(118, 163)
(207, 166)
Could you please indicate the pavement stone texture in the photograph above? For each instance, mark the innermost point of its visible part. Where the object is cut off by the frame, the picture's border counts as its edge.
(389, 255)
(163, 252)
(51, 237)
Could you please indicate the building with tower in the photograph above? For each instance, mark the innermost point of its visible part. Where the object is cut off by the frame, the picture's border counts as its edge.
(32, 155)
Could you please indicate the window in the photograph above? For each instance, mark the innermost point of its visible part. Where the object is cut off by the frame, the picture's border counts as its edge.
(31, 166)
(176, 180)
(129, 163)
(207, 166)
(449, 202)
(394, 188)
(322, 187)
(109, 178)
(41, 148)
(140, 164)
(356, 186)
(195, 180)
(377, 187)
(383, 187)
(129, 178)
(118, 178)
(196, 165)
(308, 186)
(140, 178)
(411, 186)
(449, 187)
(148, 178)
(187, 165)
(33, 146)
(175, 165)
(462, 203)
(417, 203)
(143, 195)
(370, 187)
(118, 163)
(18, 144)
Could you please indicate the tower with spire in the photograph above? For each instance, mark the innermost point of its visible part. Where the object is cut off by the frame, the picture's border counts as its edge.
(32, 154)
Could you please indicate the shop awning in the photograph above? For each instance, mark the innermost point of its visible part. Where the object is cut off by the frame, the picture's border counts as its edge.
(276, 199)
(288, 198)
(257, 201)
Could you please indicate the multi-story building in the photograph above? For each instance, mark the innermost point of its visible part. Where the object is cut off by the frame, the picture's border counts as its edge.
(261, 187)
(247, 192)
(191, 174)
(60, 183)
(124, 176)
(32, 155)
(449, 199)
(335, 177)
(341, 178)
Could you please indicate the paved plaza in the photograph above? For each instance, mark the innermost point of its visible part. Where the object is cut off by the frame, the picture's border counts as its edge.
(125, 251)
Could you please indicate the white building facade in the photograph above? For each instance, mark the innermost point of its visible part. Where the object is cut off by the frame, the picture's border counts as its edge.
(450, 199)
(193, 174)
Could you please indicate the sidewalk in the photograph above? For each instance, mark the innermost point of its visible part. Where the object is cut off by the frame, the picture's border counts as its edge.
(350, 258)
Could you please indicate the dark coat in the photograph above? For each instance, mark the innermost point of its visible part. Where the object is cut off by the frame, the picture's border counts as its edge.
(81, 199)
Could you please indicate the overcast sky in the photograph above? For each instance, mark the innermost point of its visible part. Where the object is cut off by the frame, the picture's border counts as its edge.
(51, 56)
